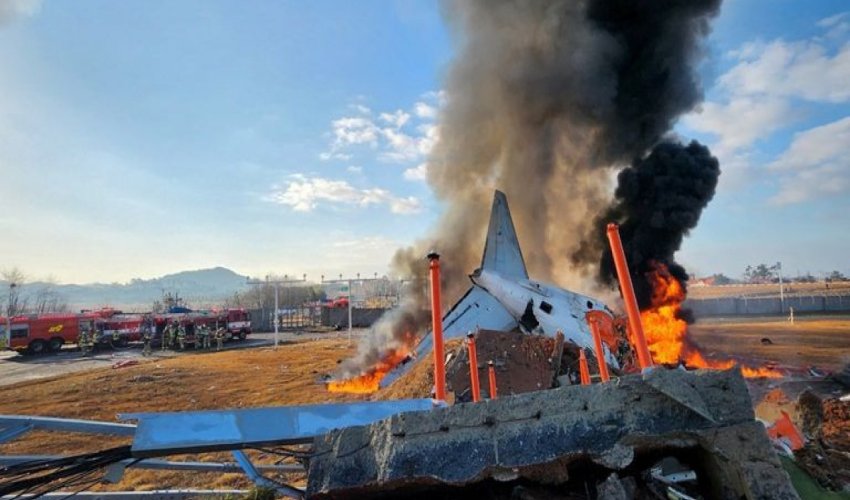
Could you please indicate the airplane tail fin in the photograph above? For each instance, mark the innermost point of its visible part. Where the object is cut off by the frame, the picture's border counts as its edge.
(501, 252)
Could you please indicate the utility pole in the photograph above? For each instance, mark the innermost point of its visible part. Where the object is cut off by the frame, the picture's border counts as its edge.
(8, 333)
(277, 283)
(350, 283)
(781, 291)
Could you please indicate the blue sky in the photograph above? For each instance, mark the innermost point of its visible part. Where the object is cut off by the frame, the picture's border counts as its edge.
(143, 138)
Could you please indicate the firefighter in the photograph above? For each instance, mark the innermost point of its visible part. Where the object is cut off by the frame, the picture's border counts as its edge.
(85, 342)
(166, 336)
(200, 333)
(181, 336)
(116, 338)
(147, 336)
(219, 338)
(208, 333)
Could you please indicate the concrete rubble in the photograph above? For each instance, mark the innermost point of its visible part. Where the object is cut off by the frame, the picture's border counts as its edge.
(571, 442)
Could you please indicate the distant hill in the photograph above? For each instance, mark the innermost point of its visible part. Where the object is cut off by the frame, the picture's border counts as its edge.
(199, 289)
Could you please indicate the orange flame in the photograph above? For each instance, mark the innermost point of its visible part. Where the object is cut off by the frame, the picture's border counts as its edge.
(667, 333)
(370, 381)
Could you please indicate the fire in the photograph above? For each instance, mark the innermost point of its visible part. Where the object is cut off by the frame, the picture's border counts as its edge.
(667, 333)
(369, 381)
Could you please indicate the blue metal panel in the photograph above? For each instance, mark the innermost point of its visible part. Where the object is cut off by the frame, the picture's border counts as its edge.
(13, 432)
(191, 432)
(67, 425)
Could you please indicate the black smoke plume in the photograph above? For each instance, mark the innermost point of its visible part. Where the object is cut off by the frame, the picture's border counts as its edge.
(543, 99)
(658, 201)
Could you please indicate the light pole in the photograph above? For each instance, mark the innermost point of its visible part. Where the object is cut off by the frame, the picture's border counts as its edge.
(8, 334)
(781, 291)
(349, 282)
(276, 284)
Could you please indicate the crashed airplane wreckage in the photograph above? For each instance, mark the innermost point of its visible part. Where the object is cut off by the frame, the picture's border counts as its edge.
(671, 433)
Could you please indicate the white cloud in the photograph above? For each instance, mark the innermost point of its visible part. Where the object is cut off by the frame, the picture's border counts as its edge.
(816, 164)
(354, 169)
(354, 130)
(766, 91)
(791, 69)
(740, 121)
(398, 136)
(425, 110)
(328, 155)
(10, 9)
(363, 110)
(397, 118)
(838, 26)
(304, 194)
(417, 173)
(757, 93)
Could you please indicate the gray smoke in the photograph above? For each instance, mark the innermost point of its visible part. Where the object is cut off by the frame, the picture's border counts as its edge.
(544, 99)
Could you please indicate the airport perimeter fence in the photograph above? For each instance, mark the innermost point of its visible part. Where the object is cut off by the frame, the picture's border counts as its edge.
(769, 306)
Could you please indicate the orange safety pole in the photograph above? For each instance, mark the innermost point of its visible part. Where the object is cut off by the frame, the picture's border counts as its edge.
(491, 370)
(437, 329)
(644, 358)
(473, 367)
(582, 368)
(600, 354)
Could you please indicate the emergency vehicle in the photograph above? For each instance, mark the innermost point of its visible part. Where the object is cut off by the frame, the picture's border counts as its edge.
(40, 333)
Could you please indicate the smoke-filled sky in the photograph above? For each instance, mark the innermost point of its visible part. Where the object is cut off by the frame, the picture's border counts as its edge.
(147, 137)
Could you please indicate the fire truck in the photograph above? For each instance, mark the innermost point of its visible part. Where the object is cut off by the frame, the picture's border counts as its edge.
(237, 322)
(40, 334)
(37, 334)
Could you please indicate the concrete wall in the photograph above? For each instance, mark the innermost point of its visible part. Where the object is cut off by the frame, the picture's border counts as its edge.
(360, 318)
(768, 306)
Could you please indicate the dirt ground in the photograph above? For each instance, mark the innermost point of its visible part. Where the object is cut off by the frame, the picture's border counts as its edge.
(822, 342)
(293, 374)
(290, 375)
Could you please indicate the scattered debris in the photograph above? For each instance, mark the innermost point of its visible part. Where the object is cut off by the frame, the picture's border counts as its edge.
(124, 363)
(523, 363)
(766, 341)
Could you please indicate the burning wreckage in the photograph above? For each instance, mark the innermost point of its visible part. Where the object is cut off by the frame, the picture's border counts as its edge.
(651, 432)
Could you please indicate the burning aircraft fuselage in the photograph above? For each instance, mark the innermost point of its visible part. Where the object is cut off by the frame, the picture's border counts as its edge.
(503, 297)
(543, 309)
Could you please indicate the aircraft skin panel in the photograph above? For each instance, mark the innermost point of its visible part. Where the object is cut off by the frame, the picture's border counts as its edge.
(501, 251)
(477, 309)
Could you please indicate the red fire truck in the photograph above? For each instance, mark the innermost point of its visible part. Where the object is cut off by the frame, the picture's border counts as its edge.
(236, 322)
(37, 334)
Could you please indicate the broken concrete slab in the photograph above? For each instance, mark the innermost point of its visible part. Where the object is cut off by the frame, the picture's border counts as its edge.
(559, 436)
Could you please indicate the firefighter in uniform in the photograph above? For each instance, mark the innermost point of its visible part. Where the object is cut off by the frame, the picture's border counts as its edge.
(116, 338)
(147, 336)
(208, 333)
(219, 338)
(85, 342)
(199, 336)
(181, 337)
(166, 336)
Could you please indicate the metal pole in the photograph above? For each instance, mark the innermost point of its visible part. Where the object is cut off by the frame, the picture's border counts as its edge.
(437, 329)
(600, 353)
(276, 313)
(491, 371)
(781, 291)
(473, 367)
(628, 291)
(8, 333)
(350, 300)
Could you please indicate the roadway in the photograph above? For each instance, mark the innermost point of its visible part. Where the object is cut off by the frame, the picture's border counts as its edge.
(16, 368)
